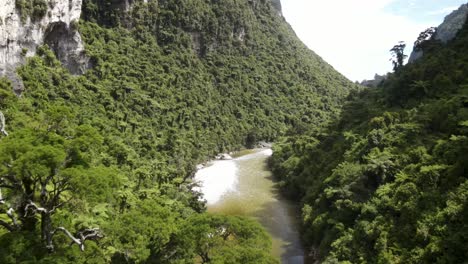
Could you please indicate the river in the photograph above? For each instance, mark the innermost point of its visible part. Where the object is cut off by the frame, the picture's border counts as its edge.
(244, 186)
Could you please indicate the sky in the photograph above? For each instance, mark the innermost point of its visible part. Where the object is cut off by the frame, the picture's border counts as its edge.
(355, 36)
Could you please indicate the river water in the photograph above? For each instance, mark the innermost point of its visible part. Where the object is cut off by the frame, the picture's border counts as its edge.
(244, 186)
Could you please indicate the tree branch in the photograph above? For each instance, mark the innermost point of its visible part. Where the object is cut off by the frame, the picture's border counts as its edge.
(91, 234)
(35, 209)
(7, 226)
(2, 201)
(74, 239)
(51, 211)
(2, 124)
(7, 186)
(87, 234)
(12, 216)
(10, 227)
(12, 181)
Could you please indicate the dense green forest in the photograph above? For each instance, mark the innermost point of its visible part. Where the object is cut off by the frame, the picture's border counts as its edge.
(387, 181)
(97, 168)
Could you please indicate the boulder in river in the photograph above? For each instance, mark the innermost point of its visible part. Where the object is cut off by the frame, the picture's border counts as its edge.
(224, 156)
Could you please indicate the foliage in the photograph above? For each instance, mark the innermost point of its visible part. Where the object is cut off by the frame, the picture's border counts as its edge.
(171, 84)
(35, 9)
(386, 183)
(423, 37)
(398, 55)
(222, 239)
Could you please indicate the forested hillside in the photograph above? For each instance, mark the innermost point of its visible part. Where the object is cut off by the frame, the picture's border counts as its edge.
(97, 168)
(387, 182)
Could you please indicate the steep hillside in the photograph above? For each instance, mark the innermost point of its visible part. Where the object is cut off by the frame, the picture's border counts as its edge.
(387, 182)
(104, 160)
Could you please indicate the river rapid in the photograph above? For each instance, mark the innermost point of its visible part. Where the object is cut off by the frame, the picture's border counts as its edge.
(244, 186)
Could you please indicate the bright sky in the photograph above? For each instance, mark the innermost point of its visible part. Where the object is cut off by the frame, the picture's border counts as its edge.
(355, 36)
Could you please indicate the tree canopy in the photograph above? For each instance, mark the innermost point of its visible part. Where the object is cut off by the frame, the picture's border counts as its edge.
(387, 182)
(98, 168)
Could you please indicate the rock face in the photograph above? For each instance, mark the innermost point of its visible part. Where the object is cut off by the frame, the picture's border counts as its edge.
(67, 45)
(277, 5)
(415, 55)
(375, 82)
(447, 30)
(19, 37)
(452, 24)
(224, 156)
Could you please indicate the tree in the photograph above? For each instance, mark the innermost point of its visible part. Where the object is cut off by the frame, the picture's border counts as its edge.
(423, 37)
(35, 173)
(398, 56)
(208, 238)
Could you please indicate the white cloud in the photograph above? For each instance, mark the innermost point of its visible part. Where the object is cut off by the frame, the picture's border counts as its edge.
(353, 36)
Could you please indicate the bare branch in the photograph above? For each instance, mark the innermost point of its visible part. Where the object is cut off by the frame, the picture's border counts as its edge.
(63, 229)
(2, 201)
(10, 227)
(51, 211)
(2, 124)
(10, 214)
(91, 234)
(87, 234)
(34, 209)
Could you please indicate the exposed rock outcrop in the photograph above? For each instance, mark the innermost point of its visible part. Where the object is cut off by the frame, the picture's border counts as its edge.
(67, 45)
(20, 35)
(415, 55)
(374, 82)
(277, 5)
(198, 43)
(447, 30)
(452, 24)
(224, 156)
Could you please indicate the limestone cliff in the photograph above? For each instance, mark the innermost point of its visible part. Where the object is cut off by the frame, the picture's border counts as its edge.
(447, 30)
(277, 5)
(22, 30)
(452, 24)
(21, 33)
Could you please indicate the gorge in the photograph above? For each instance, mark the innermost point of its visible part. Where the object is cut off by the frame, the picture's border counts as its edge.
(111, 104)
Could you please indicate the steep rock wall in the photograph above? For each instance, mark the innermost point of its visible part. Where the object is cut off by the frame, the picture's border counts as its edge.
(452, 24)
(20, 35)
(277, 5)
(447, 30)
